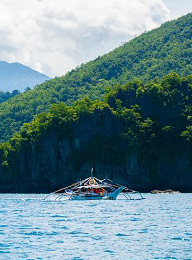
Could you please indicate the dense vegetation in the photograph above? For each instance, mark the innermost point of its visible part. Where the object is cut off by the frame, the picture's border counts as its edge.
(7, 95)
(151, 55)
(155, 118)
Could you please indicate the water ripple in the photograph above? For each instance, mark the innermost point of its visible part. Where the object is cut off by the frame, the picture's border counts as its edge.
(156, 228)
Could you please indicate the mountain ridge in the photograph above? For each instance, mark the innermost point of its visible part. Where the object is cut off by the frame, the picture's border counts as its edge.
(151, 55)
(18, 76)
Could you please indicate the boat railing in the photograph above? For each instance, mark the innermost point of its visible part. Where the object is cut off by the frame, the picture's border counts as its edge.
(107, 187)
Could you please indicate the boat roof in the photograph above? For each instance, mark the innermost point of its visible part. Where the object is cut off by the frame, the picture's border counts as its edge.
(93, 183)
(89, 183)
(94, 186)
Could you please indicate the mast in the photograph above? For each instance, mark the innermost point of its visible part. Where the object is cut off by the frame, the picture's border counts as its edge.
(92, 173)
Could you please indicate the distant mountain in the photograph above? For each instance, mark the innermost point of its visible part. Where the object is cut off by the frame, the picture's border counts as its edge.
(18, 76)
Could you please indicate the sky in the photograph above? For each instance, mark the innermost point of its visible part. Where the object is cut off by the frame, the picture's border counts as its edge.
(55, 36)
(178, 8)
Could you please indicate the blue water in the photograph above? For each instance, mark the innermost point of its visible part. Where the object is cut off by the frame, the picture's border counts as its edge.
(159, 227)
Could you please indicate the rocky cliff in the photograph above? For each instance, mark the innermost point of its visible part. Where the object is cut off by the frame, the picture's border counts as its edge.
(140, 137)
(93, 141)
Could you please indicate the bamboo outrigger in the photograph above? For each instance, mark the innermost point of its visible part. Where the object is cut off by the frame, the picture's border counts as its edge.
(94, 189)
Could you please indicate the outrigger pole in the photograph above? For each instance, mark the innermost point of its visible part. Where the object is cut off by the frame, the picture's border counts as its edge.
(61, 189)
(93, 182)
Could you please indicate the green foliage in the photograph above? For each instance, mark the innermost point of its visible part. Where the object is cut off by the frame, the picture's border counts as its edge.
(154, 118)
(187, 134)
(7, 95)
(150, 56)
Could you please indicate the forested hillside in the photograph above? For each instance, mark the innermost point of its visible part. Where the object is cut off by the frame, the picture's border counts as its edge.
(7, 95)
(152, 54)
(140, 135)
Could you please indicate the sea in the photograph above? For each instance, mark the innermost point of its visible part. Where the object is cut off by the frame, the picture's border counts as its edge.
(158, 227)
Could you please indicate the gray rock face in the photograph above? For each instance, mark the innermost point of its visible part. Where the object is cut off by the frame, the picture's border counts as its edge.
(61, 158)
(17, 76)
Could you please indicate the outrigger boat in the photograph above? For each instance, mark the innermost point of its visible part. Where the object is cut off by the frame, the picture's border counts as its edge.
(94, 189)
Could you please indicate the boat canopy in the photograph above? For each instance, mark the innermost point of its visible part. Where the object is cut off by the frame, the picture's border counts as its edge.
(92, 183)
(94, 186)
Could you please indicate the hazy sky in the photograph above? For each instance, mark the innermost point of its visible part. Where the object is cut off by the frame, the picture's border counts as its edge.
(54, 36)
(178, 7)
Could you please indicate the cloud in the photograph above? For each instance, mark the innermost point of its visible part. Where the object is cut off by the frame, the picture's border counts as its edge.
(53, 36)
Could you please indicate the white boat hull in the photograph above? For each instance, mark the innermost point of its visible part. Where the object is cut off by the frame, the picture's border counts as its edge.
(112, 196)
